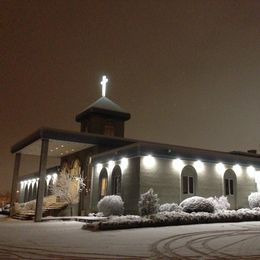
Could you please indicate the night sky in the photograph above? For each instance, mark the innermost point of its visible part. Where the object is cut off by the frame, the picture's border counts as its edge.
(187, 71)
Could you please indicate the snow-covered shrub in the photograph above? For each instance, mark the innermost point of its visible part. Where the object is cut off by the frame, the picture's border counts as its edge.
(197, 204)
(220, 203)
(254, 200)
(169, 207)
(148, 203)
(111, 205)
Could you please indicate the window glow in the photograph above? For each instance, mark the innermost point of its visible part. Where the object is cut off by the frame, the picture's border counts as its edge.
(149, 161)
(124, 163)
(199, 166)
(237, 169)
(99, 167)
(111, 165)
(220, 168)
(251, 171)
(178, 164)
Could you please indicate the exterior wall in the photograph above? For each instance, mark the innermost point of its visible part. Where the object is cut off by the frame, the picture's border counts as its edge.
(166, 181)
(129, 185)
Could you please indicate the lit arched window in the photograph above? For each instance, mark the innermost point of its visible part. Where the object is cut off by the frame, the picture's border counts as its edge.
(76, 168)
(116, 180)
(229, 182)
(103, 181)
(189, 180)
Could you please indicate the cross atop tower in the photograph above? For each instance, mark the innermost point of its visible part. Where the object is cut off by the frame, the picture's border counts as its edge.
(104, 85)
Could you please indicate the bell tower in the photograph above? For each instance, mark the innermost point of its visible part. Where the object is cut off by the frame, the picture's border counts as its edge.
(103, 116)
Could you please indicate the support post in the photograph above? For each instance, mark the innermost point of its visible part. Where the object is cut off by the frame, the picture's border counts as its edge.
(15, 181)
(41, 184)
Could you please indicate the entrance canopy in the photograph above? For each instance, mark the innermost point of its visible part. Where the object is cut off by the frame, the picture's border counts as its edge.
(62, 143)
(47, 142)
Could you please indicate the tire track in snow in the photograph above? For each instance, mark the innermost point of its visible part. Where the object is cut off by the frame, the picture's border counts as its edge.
(196, 245)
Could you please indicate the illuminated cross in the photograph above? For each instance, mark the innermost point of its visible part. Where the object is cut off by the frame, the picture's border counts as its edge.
(104, 85)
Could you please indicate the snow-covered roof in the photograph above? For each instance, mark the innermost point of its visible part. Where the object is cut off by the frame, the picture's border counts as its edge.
(104, 106)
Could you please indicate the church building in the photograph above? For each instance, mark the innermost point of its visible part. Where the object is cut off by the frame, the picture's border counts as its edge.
(109, 163)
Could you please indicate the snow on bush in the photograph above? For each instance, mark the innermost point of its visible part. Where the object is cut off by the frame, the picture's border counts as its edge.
(220, 203)
(175, 218)
(254, 200)
(197, 204)
(148, 203)
(111, 205)
(169, 207)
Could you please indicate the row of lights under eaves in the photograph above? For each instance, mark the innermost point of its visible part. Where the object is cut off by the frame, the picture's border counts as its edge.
(62, 153)
(178, 164)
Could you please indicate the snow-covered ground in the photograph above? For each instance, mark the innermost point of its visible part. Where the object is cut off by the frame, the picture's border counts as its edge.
(59, 240)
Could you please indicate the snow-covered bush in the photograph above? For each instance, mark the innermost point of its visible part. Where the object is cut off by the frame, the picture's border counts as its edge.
(148, 203)
(254, 200)
(220, 203)
(197, 204)
(111, 205)
(169, 207)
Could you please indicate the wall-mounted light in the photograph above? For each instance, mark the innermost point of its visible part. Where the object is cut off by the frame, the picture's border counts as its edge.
(111, 165)
(199, 166)
(178, 164)
(99, 167)
(237, 169)
(220, 168)
(149, 161)
(251, 171)
(124, 163)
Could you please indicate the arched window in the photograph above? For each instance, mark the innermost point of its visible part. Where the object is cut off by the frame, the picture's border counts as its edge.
(26, 191)
(188, 181)
(34, 191)
(50, 187)
(229, 182)
(30, 193)
(116, 180)
(76, 168)
(103, 182)
(230, 187)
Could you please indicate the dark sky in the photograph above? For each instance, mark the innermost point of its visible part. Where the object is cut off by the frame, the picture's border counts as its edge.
(187, 71)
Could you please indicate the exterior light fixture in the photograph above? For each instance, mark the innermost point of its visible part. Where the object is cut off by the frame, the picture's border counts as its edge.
(99, 167)
(178, 164)
(199, 166)
(220, 168)
(251, 171)
(149, 161)
(124, 163)
(111, 165)
(237, 169)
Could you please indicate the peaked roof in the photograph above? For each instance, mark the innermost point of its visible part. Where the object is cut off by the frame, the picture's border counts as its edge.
(104, 106)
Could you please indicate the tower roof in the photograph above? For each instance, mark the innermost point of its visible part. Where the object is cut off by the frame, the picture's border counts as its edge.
(104, 106)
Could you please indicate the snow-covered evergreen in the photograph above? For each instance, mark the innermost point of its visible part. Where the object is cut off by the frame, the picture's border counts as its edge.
(111, 205)
(220, 203)
(170, 207)
(254, 200)
(148, 203)
(197, 204)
